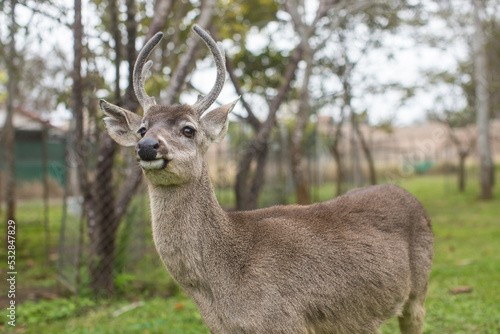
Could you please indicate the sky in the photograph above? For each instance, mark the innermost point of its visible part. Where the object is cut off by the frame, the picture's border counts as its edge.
(409, 59)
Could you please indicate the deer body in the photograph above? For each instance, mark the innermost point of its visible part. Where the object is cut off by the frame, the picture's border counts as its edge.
(341, 266)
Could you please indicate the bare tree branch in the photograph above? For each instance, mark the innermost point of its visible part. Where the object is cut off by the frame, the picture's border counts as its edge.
(54, 17)
(159, 19)
(254, 121)
(181, 71)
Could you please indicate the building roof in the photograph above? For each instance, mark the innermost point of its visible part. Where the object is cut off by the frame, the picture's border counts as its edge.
(27, 120)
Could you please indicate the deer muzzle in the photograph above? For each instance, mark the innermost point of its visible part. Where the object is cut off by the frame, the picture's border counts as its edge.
(147, 150)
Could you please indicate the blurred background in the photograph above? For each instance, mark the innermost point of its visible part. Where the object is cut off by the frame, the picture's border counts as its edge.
(335, 95)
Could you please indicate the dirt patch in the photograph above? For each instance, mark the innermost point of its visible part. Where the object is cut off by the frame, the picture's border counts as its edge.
(35, 294)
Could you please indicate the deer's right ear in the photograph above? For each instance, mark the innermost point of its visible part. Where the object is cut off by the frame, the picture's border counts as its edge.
(216, 121)
(122, 125)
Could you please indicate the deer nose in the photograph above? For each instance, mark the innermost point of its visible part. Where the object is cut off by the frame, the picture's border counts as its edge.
(147, 149)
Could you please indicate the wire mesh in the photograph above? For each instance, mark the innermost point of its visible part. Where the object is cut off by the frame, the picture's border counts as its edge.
(131, 262)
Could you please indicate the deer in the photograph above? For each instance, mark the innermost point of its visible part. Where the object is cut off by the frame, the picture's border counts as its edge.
(341, 266)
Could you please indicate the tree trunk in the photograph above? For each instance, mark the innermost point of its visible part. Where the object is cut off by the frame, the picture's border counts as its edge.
(300, 179)
(159, 19)
(186, 61)
(482, 106)
(106, 212)
(367, 152)
(461, 171)
(113, 8)
(102, 221)
(45, 178)
(9, 131)
(335, 151)
(249, 200)
(101, 216)
(77, 101)
(80, 141)
(129, 100)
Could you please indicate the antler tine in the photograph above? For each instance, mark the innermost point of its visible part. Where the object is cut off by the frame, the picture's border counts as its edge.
(217, 51)
(141, 68)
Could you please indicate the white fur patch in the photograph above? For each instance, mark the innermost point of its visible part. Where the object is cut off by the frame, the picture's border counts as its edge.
(163, 140)
(153, 164)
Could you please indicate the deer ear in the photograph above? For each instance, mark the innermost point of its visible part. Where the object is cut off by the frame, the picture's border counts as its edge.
(216, 122)
(122, 125)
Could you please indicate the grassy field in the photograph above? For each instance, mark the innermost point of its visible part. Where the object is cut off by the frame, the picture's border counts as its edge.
(467, 254)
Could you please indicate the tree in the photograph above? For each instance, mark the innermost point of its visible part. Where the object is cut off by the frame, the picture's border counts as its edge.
(103, 209)
(454, 107)
(100, 204)
(476, 25)
(334, 149)
(345, 48)
(24, 73)
(248, 186)
(482, 104)
(8, 129)
(461, 134)
(273, 89)
(464, 146)
(306, 33)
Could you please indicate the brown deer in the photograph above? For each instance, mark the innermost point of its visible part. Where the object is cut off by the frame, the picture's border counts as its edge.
(341, 266)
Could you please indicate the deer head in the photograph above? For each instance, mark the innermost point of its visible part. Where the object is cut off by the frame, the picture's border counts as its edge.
(170, 141)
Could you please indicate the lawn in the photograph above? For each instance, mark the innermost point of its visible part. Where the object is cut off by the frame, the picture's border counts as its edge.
(467, 254)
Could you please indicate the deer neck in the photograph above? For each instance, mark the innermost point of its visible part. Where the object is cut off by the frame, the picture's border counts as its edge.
(188, 225)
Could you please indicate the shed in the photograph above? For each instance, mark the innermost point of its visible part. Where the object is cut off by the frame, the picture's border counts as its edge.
(29, 130)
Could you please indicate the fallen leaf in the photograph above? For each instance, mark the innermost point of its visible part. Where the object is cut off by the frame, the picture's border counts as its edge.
(461, 289)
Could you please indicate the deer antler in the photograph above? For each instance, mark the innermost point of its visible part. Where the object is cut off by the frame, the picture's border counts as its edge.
(141, 68)
(204, 102)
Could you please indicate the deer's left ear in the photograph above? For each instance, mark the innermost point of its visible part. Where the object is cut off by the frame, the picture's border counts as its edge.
(122, 125)
(216, 122)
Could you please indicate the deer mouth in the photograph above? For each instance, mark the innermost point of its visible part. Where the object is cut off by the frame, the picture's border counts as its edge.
(153, 164)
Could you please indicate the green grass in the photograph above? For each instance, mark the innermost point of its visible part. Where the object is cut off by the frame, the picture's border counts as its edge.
(34, 249)
(467, 253)
(175, 315)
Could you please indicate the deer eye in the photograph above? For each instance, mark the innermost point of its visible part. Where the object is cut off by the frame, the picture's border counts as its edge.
(188, 132)
(142, 131)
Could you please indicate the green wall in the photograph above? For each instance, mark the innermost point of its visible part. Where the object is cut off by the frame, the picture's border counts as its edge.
(28, 150)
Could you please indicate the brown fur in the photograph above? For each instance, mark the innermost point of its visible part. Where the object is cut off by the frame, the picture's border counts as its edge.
(341, 266)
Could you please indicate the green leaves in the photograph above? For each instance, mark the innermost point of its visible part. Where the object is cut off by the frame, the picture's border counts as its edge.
(239, 16)
(258, 72)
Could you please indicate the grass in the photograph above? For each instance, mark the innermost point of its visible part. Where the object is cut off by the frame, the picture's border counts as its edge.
(34, 247)
(467, 253)
(175, 315)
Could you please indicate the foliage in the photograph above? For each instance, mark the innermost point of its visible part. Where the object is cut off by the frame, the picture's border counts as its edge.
(252, 75)
(173, 315)
(263, 69)
(462, 78)
(32, 313)
(3, 81)
(239, 16)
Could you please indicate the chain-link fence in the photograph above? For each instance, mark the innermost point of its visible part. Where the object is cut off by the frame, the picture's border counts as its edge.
(64, 247)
